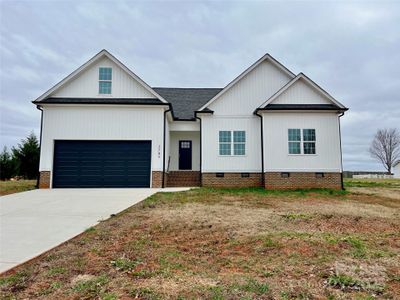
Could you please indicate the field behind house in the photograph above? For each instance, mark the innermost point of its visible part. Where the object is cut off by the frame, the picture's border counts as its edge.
(228, 244)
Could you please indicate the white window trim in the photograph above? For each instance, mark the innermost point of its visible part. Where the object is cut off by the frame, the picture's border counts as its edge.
(98, 74)
(231, 143)
(301, 143)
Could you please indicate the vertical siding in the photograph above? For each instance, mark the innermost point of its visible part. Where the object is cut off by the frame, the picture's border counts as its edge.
(301, 93)
(251, 91)
(87, 84)
(101, 123)
(176, 136)
(213, 162)
(276, 157)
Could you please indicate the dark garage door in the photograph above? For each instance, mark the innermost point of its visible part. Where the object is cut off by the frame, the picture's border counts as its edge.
(92, 164)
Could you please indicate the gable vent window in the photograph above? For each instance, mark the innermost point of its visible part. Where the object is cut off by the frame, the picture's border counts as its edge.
(232, 143)
(105, 77)
(301, 141)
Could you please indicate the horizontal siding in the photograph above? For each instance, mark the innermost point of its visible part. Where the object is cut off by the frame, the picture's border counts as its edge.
(213, 162)
(301, 93)
(276, 157)
(87, 84)
(251, 91)
(101, 123)
(175, 137)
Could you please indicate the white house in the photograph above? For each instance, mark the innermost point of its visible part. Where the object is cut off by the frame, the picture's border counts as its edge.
(103, 126)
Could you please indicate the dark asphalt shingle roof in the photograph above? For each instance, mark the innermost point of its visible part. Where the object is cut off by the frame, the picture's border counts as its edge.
(54, 100)
(185, 101)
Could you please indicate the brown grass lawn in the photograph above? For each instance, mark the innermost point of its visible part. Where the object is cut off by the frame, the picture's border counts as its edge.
(227, 244)
(11, 187)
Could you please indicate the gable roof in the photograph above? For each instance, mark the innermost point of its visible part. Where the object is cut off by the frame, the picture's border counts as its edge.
(311, 83)
(185, 101)
(245, 72)
(99, 55)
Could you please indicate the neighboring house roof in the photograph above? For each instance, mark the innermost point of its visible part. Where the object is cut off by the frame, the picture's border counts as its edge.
(396, 163)
(99, 55)
(311, 83)
(302, 107)
(185, 101)
(143, 101)
(247, 71)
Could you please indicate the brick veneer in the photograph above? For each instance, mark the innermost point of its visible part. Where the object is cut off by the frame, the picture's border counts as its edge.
(231, 180)
(183, 178)
(156, 179)
(296, 180)
(44, 180)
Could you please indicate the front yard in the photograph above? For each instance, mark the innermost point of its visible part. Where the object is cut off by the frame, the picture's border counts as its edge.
(11, 187)
(228, 244)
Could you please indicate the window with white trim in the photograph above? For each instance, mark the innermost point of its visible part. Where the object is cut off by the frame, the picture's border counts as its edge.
(232, 143)
(105, 77)
(301, 141)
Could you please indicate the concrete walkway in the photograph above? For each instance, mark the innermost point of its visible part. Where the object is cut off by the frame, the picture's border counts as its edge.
(35, 221)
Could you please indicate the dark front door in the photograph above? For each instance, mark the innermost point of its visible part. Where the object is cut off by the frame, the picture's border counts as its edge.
(93, 164)
(185, 155)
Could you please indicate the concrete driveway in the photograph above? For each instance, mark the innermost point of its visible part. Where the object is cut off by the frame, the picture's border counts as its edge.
(35, 221)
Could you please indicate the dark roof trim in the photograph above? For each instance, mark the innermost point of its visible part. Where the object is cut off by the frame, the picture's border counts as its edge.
(136, 101)
(302, 107)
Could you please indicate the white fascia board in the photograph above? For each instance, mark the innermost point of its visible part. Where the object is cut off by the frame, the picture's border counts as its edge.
(308, 81)
(88, 64)
(248, 70)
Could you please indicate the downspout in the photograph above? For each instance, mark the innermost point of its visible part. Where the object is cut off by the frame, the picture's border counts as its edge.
(201, 150)
(40, 143)
(262, 147)
(341, 155)
(165, 127)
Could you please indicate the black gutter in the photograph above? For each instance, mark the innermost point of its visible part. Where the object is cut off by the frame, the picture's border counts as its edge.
(201, 151)
(341, 155)
(40, 143)
(165, 120)
(262, 147)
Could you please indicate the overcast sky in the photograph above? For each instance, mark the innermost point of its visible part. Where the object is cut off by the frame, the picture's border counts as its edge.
(351, 49)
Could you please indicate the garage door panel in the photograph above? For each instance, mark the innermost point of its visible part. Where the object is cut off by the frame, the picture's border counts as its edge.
(102, 164)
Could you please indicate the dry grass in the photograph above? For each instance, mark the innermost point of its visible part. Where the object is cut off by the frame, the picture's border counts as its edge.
(228, 244)
(11, 187)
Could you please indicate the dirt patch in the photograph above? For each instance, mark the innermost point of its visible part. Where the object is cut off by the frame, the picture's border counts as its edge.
(393, 193)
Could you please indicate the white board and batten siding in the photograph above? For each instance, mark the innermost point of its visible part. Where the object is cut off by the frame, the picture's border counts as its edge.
(234, 111)
(301, 93)
(251, 91)
(276, 152)
(107, 122)
(213, 162)
(86, 84)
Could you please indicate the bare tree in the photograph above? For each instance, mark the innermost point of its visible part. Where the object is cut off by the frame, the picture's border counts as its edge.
(385, 147)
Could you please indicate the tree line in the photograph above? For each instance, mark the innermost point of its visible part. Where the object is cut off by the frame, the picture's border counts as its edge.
(22, 160)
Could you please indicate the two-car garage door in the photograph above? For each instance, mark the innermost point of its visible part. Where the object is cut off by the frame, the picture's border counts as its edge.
(92, 164)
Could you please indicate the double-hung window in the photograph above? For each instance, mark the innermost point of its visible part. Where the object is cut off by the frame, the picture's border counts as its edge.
(301, 141)
(232, 143)
(105, 77)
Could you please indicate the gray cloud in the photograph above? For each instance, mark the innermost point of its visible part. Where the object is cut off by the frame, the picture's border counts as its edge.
(349, 48)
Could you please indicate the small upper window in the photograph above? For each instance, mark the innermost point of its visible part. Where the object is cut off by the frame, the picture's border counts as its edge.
(105, 77)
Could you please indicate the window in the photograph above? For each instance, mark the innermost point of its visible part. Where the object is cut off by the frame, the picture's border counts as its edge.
(301, 143)
(232, 143)
(105, 76)
(294, 141)
(309, 141)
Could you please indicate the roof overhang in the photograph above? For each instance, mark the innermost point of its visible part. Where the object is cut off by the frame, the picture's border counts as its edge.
(102, 53)
(248, 70)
